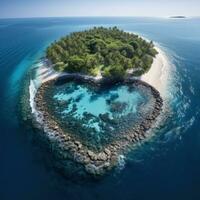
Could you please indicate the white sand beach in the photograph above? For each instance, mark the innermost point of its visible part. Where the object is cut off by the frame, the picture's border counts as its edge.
(158, 74)
(45, 73)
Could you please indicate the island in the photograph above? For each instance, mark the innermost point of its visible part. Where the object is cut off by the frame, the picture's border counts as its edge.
(107, 52)
(90, 103)
(178, 17)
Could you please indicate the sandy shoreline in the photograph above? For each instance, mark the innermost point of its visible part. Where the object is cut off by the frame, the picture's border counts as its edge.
(46, 73)
(157, 76)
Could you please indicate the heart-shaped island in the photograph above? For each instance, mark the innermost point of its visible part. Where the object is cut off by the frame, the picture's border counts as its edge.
(90, 101)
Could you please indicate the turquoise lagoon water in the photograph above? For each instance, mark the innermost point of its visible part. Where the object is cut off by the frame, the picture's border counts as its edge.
(97, 104)
(165, 167)
(117, 101)
(101, 113)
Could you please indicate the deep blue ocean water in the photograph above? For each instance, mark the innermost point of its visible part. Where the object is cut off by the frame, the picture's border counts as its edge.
(166, 167)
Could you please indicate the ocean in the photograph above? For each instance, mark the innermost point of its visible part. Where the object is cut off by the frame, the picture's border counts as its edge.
(164, 167)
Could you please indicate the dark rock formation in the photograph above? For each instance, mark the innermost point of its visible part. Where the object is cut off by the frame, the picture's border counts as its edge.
(95, 163)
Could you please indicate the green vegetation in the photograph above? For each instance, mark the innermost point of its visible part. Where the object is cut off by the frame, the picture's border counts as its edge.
(109, 51)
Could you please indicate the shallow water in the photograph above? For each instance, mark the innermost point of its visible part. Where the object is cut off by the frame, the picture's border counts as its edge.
(96, 104)
(166, 167)
(102, 102)
(101, 113)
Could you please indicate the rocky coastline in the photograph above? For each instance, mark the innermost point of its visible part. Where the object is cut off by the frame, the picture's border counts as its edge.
(95, 163)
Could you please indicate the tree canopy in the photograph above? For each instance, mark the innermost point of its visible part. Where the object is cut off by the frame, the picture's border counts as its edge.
(109, 51)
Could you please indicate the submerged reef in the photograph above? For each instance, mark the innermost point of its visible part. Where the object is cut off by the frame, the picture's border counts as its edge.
(71, 148)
